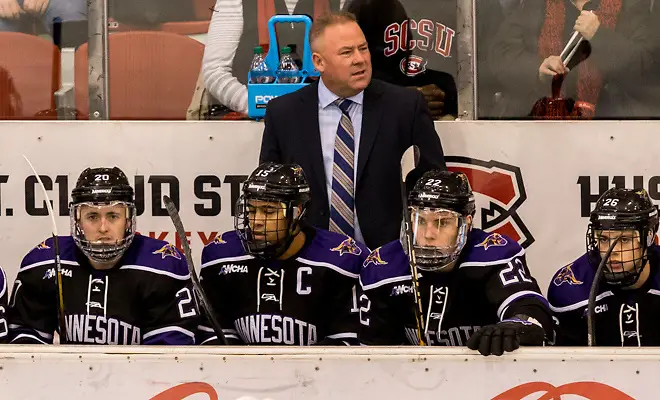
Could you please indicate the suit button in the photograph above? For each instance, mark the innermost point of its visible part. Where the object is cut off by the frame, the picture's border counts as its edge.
(323, 213)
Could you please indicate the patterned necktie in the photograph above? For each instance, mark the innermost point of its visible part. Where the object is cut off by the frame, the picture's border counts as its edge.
(342, 204)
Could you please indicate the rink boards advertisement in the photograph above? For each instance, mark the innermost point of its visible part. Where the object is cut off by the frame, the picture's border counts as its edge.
(534, 181)
(195, 373)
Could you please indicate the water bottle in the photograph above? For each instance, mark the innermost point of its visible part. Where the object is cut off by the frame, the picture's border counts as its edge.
(258, 69)
(288, 70)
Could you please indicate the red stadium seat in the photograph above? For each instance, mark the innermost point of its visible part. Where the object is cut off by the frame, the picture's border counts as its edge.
(29, 76)
(152, 75)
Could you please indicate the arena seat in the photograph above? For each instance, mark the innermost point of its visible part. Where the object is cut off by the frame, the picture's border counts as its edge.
(29, 76)
(152, 75)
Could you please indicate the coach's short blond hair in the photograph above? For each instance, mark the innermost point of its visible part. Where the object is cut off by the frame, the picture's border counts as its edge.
(326, 20)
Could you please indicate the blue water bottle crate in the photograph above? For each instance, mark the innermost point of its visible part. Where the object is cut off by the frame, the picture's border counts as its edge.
(259, 94)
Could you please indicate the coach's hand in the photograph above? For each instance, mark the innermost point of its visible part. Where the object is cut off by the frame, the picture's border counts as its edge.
(506, 336)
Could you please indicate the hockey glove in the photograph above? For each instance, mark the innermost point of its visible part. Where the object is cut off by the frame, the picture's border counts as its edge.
(507, 335)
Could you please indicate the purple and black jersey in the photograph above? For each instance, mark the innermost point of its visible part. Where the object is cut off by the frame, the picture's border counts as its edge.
(623, 317)
(311, 298)
(146, 298)
(4, 295)
(490, 283)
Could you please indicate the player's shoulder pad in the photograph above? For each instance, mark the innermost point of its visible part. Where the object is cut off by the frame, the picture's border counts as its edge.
(43, 254)
(388, 263)
(484, 249)
(570, 285)
(338, 252)
(156, 256)
(226, 247)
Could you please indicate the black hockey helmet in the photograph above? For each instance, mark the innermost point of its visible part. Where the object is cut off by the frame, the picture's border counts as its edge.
(102, 187)
(283, 192)
(440, 204)
(623, 210)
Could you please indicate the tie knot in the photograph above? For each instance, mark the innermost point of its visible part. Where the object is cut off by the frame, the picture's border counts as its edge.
(343, 105)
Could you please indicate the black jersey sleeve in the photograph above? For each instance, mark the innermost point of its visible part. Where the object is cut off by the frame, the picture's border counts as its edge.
(214, 283)
(4, 295)
(32, 311)
(512, 290)
(387, 300)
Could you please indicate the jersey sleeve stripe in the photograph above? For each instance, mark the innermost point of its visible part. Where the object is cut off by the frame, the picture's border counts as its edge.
(226, 259)
(40, 333)
(156, 271)
(205, 329)
(492, 262)
(579, 304)
(46, 262)
(4, 283)
(22, 335)
(384, 282)
(209, 339)
(346, 335)
(516, 296)
(327, 265)
(168, 329)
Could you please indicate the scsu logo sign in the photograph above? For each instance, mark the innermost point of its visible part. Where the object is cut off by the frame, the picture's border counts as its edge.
(499, 191)
(262, 100)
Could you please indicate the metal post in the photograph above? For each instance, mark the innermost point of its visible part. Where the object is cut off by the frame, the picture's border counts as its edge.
(466, 80)
(97, 16)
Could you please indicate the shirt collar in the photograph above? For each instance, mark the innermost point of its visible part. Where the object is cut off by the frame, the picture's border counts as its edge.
(326, 97)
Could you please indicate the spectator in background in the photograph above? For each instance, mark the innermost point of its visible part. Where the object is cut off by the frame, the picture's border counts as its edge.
(234, 31)
(348, 132)
(609, 70)
(412, 43)
(14, 14)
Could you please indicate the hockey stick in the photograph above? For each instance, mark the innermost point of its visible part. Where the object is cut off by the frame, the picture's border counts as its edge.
(58, 263)
(591, 308)
(408, 163)
(197, 287)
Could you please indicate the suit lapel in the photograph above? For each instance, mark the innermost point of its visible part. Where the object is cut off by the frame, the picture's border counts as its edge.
(371, 115)
(311, 136)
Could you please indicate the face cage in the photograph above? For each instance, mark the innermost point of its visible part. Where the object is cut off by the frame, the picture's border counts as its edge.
(103, 252)
(437, 258)
(639, 260)
(256, 242)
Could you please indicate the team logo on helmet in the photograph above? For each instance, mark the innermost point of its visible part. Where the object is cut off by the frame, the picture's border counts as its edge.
(499, 192)
(413, 65)
(168, 251)
(42, 246)
(348, 246)
(566, 275)
(493, 240)
(218, 239)
(374, 258)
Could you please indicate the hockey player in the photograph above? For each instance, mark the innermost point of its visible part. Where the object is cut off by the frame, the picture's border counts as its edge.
(118, 287)
(628, 297)
(275, 280)
(475, 287)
